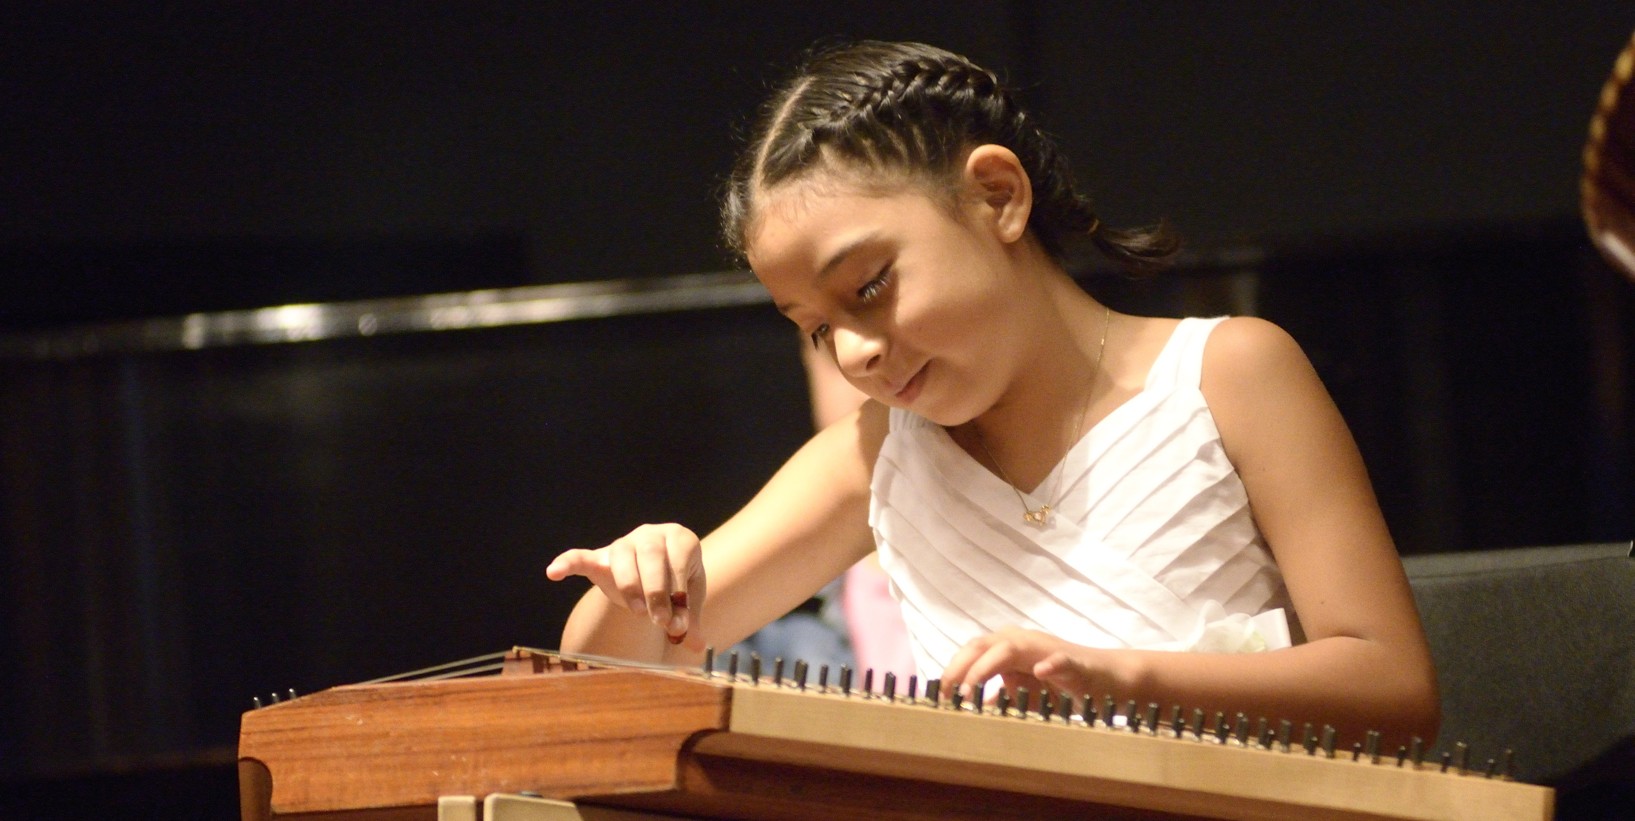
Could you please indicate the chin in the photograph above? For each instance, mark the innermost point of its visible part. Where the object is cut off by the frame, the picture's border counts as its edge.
(941, 414)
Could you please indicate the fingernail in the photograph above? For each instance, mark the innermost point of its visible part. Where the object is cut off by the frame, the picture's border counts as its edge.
(676, 639)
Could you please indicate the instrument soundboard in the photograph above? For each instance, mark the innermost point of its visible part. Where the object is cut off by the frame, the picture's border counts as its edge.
(755, 744)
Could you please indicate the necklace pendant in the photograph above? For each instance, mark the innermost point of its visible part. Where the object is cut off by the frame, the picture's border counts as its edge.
(1036, 517)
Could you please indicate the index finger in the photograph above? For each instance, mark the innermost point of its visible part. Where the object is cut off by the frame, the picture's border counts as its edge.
(576, 562)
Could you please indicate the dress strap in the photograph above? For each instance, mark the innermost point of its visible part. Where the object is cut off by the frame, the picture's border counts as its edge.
(1180, 364)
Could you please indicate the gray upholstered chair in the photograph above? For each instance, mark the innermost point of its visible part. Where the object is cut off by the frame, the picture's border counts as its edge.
(1535, 651)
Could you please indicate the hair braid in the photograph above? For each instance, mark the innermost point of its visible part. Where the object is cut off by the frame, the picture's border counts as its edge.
(915, 110)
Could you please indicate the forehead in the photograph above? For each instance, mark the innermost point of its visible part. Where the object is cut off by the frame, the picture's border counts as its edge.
(799, 220)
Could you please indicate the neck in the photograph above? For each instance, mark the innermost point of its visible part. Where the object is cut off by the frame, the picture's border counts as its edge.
(1053, 388)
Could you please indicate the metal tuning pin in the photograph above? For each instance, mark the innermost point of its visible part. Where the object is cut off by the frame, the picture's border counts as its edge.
(256, 701)
(777, 671)
(1356, 751)
(891, 686)
(1002, 705)
(1507, 766)
(1402, 755)
(1131, 719)
(1308, 739)
(868, 683)
(913, 694)
(1446, 759)
(709, 661)
(1045, 707)
(1109, 712)
(1461, 756)
(1222, 732)
(274, 697)
(801, 669)
(292, 694)
(958, 699)
(1328, 741)
(1064, 705)
(1263, 733)
(1285, 730)
(1177, 722)
(1150, 720)
(845, 680)
(933, 691)
(1492, 767)
(1371, 746)
(732, 666)
(1240, 730)
(755, 669)
(978, 697)
(1416, 751)
(1198, 724)
(1023, 697)
(823, 678)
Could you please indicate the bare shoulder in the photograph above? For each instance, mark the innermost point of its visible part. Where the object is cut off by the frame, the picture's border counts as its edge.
(1310, 492)
(848, 448)
(1262, 389)
(873, 422)
(1249, 348)
(865, 428)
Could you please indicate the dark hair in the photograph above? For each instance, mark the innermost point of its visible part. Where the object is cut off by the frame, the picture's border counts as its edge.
(916, 109)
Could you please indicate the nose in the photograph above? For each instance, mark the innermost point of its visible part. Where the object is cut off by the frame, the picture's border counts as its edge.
(857, 352)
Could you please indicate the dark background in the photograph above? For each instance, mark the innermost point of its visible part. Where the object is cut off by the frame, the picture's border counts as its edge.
(1396, 183)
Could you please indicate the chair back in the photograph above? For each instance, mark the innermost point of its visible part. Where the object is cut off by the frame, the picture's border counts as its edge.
(1535, 651)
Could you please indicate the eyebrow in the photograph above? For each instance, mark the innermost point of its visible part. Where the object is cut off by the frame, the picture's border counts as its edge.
(834, 261)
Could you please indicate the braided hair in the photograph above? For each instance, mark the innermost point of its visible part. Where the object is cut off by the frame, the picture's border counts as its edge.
(915, 110)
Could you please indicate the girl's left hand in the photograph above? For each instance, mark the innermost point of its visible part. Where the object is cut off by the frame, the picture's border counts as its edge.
(1037, 661)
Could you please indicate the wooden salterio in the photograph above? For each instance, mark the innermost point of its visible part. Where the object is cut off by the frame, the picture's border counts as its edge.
(712, 746)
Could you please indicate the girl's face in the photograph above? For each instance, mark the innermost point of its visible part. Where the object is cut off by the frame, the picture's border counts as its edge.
(909, 298)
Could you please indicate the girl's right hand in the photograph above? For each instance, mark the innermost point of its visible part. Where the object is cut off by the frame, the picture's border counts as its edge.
(656, 571)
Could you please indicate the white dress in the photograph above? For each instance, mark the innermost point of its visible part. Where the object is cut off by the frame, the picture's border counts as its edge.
(1150, 543)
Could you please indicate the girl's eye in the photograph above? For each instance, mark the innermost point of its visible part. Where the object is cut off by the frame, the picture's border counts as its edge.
(874, 287)
(819, 335)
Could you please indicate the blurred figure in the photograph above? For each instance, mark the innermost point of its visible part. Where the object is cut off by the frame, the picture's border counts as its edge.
(871, 618)
(853, 621)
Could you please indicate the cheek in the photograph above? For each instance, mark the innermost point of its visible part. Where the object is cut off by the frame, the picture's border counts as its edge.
(951, 310)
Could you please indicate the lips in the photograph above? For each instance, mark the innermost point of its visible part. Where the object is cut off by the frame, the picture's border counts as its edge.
(911, 388)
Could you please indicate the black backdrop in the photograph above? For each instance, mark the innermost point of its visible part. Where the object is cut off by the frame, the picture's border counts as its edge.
(1394, 183)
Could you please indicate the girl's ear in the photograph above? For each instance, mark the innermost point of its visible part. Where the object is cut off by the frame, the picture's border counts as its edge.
(996, 177)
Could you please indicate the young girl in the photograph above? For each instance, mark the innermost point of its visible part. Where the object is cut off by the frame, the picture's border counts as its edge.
(1065, 496)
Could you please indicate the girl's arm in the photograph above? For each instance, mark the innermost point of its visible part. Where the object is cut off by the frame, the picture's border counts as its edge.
(805, 527)
(1365, 664)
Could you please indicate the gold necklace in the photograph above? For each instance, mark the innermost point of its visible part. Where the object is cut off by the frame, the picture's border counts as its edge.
(1039, 515)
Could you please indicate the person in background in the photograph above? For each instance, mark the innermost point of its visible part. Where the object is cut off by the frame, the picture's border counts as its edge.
(872, 622)
(853, 621)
